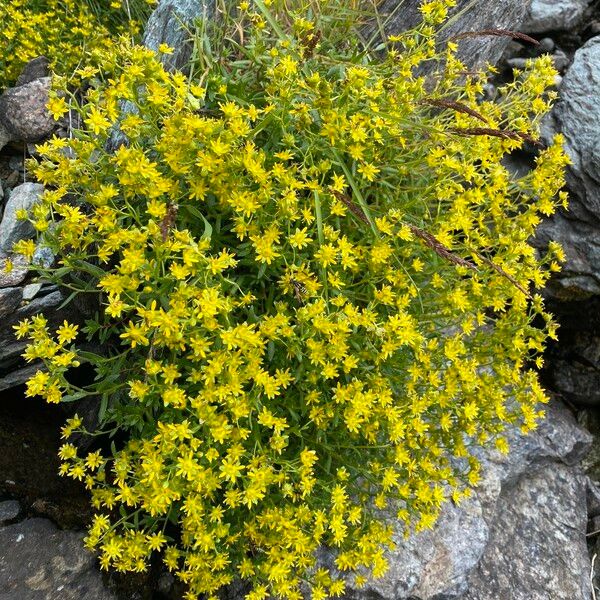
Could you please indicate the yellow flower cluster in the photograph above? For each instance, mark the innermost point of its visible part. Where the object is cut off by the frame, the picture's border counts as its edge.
(317, 295)
(72, 34)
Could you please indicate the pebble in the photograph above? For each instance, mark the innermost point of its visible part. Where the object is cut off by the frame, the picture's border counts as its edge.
(516, 63)
(546, 45)
(561, 61)
(490, 91)
(16, 163)
(30, 291)
(9, 510)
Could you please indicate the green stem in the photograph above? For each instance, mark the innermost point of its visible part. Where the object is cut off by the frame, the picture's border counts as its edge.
(357, 193)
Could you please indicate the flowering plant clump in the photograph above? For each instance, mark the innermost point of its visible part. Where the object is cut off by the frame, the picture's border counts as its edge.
(70, 33)
(316, 294)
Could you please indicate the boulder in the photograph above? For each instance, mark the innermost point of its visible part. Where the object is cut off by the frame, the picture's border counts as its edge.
(35, 69)
(40, 562)
(23, 111)
(541, 484)
(13, 229)
(171, 23)
(553, 15)
(577, 116)
(467, 16)
(537, 546)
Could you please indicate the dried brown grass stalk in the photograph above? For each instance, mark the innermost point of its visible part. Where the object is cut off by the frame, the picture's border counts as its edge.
(168, 221)
(497, 33)
(357, 210)
(501, 133)
(504, 274)
(439, 248)
(457, 106)
(309, 43)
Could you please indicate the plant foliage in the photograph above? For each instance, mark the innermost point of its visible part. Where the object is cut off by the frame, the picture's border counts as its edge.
(70, 33)
(316, 291)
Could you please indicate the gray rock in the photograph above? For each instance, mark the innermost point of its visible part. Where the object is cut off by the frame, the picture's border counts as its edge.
(23, 111)
(551, 15)
(35, 69)
(169, 24)
(10, 298)
(43, 257)
(31, 290)
(475, 15)
(5, 136)
(516, 63)
(546, 45)
(16, 163)
(580, 275)
(40, 562)
(443, 563)
(12, 229)
(561, 61)
(577, 116)
(9, 510)
(17, 376)
(558, 81)
(575, 371)
(16, 275)
(13, 310)
(593, 498)
(537, 546)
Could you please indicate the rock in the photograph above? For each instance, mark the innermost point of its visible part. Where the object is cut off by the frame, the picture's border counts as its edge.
(547, 45)
(537, 546)
(580, 275)
(10, 298)
(13, 310)
(31, 290)
(12, 229)
(43, 257)
(168, 24)
(165, 583)
(16, 163)
(17, 376)
(561, 61)
(575, 368)
(542, 468)
(9, 511)
(16, 275)
(593, 498)
(552, 15)
(5, 136)
(516, 63)
(23, 111)
(475, 15)
(35, 69)
(40, 562)
(577, 115)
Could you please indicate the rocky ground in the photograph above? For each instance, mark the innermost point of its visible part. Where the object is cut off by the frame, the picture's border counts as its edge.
(532, 530)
